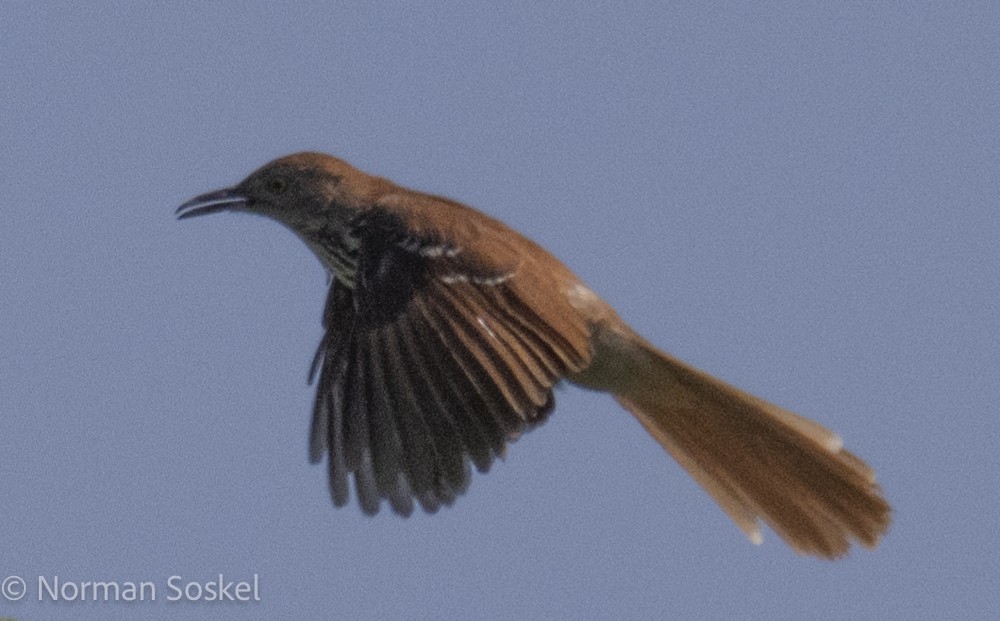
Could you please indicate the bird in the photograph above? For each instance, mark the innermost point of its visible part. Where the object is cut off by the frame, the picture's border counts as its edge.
(445, 332)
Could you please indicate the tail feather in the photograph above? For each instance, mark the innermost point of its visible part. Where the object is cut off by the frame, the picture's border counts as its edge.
(758, 461)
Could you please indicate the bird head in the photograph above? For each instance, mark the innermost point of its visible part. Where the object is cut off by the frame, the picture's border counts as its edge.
(297, 190)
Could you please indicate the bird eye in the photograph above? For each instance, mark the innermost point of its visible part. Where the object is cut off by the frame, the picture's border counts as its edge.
(278, 185)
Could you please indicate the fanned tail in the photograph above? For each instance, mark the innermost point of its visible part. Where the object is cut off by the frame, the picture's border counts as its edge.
(757, 460)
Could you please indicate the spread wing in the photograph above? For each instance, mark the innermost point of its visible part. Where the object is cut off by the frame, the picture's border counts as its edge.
(438, 356)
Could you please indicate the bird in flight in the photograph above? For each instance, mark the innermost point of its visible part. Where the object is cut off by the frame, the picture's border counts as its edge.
(446, 331)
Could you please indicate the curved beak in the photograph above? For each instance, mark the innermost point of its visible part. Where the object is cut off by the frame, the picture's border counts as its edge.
(220, 200)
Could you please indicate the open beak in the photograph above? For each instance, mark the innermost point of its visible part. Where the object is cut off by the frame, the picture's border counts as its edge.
(220, 200)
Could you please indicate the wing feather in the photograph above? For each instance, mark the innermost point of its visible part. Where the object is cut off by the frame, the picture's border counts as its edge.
(387, 452)
(449, 333)
(442, 436)
(420, 455)
(481, 432)
(486, 349)
(525, 373)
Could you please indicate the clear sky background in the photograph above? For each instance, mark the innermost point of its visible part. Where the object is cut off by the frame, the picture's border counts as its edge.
(801, 200)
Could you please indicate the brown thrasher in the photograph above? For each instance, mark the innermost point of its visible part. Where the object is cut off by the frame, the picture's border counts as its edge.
(445, 332)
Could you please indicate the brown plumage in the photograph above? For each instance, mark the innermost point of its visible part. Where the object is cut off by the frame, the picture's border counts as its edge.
(445, 332)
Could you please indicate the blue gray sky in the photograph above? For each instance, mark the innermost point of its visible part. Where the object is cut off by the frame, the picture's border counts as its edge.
(801, 200)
